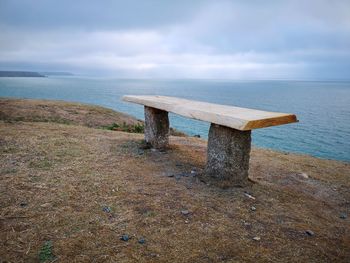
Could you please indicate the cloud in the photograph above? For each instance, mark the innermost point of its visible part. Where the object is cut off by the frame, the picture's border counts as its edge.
(203, 39)
(94, 14)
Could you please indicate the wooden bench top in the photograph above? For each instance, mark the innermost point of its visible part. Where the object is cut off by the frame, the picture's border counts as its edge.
(234, 117)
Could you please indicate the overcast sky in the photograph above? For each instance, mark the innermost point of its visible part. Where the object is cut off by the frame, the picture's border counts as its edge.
(307, 39)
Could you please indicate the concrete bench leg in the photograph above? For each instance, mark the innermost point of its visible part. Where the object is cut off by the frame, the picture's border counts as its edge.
(228, 156)
(156, 128)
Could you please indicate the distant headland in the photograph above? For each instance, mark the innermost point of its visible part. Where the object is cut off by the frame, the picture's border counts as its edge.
(56, 73)
(32, 74)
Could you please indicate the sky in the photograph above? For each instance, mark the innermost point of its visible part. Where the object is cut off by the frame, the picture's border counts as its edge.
(281, 39)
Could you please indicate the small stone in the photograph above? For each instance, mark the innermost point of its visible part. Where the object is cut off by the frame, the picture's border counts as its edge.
(45, 205)
(184, 174)
(256, 238)
(309, 233)
(124, 238)
(303, 175)
(177, 177)
(196, 136)
(106, 209)
(142, 241)
(185, 212)
(170, 175)
(253, 208)
(187, 221)
(23, 204)
(193, 172)
(343, 216)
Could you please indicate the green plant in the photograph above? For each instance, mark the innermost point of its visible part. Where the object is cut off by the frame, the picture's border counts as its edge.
(133, 128)
(111, 127)
(41, 164)
(46, 253)
(139, 128)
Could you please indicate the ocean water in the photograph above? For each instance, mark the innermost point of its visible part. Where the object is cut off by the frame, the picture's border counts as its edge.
(323, 108)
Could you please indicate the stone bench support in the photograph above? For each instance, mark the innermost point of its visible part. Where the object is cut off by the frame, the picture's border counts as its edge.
(228, 155)
(156, 128)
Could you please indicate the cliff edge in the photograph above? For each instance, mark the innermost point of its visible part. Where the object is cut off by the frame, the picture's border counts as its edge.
(75, 189)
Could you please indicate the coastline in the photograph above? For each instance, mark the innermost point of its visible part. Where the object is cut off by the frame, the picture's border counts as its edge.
(90, 115)
(321, 132)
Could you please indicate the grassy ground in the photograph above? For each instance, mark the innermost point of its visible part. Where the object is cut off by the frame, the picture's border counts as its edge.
(12, 110)
(69, 192)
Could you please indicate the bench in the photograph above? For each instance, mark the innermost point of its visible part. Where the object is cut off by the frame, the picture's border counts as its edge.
(229, 140)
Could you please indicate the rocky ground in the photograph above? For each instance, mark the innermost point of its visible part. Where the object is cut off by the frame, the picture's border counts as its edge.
(73, 192)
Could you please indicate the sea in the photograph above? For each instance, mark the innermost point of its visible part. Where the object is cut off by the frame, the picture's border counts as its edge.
(322, 107)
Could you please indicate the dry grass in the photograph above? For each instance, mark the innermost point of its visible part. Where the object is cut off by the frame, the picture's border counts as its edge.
(81, 188)
(13, 110)
(61, 112)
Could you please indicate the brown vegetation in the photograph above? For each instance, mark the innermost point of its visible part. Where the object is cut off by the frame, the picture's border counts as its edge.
(68, 193)
(61, 112)
(70, 113)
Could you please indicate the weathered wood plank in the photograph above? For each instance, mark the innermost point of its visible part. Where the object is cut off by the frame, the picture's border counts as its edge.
(243, 119)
